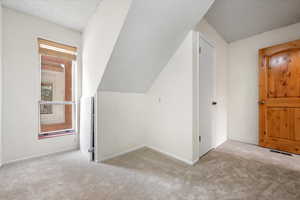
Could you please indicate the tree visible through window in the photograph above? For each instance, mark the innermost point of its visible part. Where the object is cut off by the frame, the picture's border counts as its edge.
(46, 95)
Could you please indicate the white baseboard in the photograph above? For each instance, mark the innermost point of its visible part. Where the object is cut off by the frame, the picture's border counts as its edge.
(194, 162)
(109, 156)
(105, 158)
(244, 140)
(41, 155)
(173, 156)
(120, 153)
(220, 143)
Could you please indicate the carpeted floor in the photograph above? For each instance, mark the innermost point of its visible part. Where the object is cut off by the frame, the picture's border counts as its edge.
(232, 171)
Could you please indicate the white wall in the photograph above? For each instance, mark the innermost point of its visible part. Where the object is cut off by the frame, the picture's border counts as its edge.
(21, 80)
(171, 99)
(1, 81)
(85, 125)
(121, 123)
(221, 66)
(170, 105)
(99, 39)
(243, 81)
(161, 119)
(164, 119)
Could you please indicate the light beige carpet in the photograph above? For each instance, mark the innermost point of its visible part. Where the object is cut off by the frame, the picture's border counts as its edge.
(233, 171)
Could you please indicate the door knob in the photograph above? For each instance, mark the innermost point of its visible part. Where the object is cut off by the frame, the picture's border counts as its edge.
(214, 103)
(262, 102)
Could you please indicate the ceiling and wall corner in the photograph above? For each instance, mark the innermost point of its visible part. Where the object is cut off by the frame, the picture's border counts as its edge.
(239, 19)
(71, 14)
(248, 26)
(151, 34)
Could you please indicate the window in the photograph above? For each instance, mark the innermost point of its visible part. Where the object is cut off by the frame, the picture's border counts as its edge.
(57, 106)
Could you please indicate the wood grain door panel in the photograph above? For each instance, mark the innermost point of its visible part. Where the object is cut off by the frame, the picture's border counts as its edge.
(279, 125)
(279, 97)
(283, 75)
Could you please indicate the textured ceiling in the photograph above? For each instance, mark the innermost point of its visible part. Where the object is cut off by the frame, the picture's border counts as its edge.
(239, 19)
(151, 34)
(73, 14)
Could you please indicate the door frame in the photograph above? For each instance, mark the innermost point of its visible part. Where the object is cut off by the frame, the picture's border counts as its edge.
(263, 101)
(196, 60)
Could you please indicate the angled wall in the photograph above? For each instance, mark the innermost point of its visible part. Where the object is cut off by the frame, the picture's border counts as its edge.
(99, 39)
(153, 31)
(166, 118)
(154, 37)
(161, 118)
(170, 105)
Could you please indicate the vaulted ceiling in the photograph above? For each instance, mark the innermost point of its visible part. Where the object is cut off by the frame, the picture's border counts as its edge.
(238, 19)
(73, 14)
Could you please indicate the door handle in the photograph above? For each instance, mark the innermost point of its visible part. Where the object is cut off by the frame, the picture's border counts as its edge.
(262, 102)
(214, 103)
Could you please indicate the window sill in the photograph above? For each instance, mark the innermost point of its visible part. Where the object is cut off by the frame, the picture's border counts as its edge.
(58, 134)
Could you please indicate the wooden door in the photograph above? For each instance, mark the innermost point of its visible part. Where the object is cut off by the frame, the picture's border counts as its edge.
(279, 97)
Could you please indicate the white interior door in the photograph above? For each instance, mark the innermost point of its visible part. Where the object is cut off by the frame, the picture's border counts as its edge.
(206, 97)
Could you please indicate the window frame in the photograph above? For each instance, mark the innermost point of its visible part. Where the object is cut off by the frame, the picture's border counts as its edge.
(61, 132)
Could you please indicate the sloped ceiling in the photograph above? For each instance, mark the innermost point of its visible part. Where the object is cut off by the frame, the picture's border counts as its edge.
(151, 34)
(239, 19)
(73, 14)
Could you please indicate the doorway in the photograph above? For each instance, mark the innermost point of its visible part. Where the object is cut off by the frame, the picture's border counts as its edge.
(206, 97)
(279, 97)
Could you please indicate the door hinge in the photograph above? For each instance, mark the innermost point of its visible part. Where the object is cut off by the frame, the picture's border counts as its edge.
(199, 139)
(200, 50)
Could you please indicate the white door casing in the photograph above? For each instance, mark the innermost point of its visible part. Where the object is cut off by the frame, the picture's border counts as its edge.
(85, 125)
(207, 92)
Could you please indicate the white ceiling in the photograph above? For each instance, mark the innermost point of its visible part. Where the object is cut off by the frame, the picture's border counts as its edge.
(238, 19)
(151, 34)
(73, 14)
